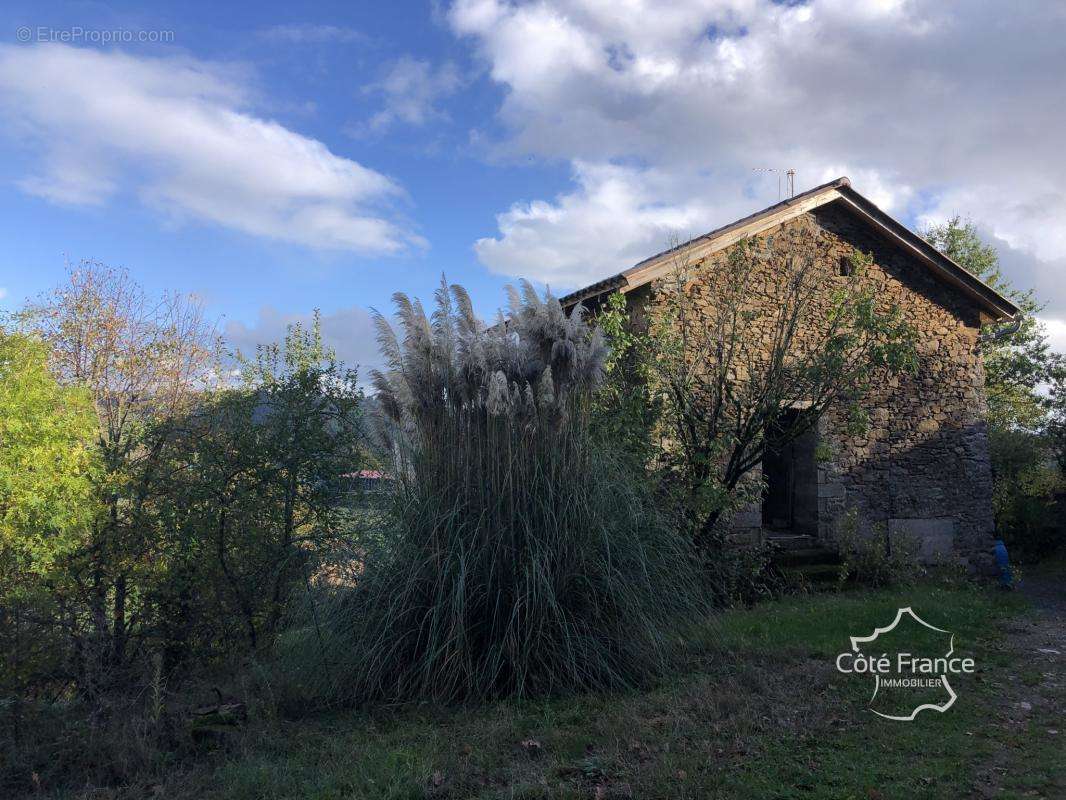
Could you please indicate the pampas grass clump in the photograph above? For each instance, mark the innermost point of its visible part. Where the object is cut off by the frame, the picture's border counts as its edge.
(520, 558)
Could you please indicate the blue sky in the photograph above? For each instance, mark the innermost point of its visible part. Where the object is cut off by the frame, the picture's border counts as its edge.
(313, 74)
(277, 157)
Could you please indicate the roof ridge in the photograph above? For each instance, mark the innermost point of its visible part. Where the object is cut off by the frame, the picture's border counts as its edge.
(842, 181)
(841, 190)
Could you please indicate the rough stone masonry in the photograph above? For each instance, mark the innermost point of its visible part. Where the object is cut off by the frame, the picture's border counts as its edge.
(921, 469)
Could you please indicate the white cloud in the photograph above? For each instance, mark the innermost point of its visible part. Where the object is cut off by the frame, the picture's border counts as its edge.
(1056, 333)
(931, 108)
(3, 292)
(1031, 222)
(617, 216)
(180, 133)
(411, 90)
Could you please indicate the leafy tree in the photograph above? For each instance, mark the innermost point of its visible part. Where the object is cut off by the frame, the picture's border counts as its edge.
(1026, 424)
(1057, 405)
(47, 504)
(725, 366)
(47, 462)
(257, 478)
(1026, 482)
(153, 520)
(138, 359)
(1016, 363)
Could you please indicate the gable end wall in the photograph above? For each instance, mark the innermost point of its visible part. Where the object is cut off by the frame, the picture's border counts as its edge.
(922, 468)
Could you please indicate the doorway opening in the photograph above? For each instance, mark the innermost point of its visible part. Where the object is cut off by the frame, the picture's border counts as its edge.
(790, 470)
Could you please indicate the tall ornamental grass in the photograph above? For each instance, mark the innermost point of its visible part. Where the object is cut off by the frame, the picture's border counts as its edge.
(520, 557)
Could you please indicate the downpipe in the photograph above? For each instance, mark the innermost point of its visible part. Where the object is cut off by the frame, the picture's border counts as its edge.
(1002, 333)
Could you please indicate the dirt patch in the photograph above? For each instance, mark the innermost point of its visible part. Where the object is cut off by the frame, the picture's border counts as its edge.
(1030, 711)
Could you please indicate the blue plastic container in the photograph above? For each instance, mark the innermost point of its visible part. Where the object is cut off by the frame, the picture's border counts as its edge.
(1006, 579)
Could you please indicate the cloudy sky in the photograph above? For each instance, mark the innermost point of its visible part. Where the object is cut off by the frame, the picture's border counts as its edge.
(279, 157)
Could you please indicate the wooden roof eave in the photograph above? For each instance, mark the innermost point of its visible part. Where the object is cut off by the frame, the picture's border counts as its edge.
(993, 307)
(699, 248)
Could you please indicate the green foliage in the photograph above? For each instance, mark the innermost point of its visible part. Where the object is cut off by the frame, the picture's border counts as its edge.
(1026, 426)
(251, 489)
(48, 466)
(741, 575)
(823, 453)
(521, 559)
(137, 360)
(875, 559)
(172, 526)
(725, 366)
(1017, 364)
(1056, 428)
(47, 462)
(626, 412)
(213, 523)
(1026, 484)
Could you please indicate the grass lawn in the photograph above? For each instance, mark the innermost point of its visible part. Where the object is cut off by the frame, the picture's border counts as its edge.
(757, 710)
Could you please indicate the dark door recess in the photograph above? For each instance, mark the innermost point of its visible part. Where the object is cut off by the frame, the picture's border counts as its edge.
(790, 470)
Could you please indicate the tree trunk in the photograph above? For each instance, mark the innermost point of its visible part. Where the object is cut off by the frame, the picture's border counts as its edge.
(286, 543)
(118, 623)
(242, 601)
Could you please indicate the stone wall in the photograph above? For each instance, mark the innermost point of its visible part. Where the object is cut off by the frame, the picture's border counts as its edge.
(922, 467)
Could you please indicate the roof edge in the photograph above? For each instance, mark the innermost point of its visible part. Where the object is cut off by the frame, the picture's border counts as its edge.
(991, 302)
(1001, 308)
(621, 279)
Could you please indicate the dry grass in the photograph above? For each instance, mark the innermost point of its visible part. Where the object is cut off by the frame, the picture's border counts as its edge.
(755, 709)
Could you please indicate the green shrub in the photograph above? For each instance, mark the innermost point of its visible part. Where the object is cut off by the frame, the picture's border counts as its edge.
(522, 557)
(875, 559)
(1027, 493)
(742, 575)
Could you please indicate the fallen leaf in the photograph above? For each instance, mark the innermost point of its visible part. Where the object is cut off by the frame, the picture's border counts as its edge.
(438, 778)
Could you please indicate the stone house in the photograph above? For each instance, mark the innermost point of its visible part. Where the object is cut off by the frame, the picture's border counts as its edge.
(921, 468)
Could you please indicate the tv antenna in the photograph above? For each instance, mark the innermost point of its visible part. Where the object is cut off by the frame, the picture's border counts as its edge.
(790, 182)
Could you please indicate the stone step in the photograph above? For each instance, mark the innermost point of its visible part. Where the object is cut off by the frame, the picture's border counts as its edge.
(803, 556)
(791, 541)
